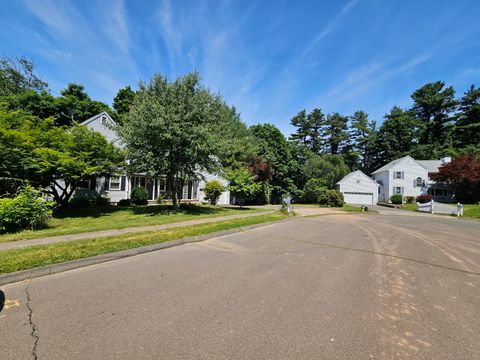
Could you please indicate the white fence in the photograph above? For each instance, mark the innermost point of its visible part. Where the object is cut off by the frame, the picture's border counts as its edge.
(433, 207)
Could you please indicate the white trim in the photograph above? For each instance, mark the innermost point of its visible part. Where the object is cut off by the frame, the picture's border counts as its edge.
(110, 187)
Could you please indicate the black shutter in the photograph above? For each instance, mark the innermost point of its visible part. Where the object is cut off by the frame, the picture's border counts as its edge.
(93, 184)
(107, 183)
(123, 182)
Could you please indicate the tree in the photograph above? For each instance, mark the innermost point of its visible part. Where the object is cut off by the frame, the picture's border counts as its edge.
(171, 131)
(316, 122)
(17, 75)
(327, 168)
(336, 133)
(300, 122)
(309, 129)
(262, 169)
(242, 184)
(76, 106)
(272, 145)
(363, 137)
(123, 100)
(38, 152)
(467, 126)
(463, 174)
(396, 137)
(433, 104)
(213, 190)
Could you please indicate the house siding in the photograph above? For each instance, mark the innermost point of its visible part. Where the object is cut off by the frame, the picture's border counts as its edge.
(358, 182)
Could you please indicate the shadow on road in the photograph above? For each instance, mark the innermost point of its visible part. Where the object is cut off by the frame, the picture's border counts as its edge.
(2, 300)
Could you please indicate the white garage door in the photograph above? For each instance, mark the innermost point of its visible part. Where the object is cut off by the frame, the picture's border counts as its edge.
(358, 198)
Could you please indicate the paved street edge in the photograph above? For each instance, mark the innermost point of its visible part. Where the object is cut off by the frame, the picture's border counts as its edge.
(22, 275)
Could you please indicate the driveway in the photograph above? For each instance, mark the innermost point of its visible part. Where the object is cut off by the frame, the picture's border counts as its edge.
(332, 287)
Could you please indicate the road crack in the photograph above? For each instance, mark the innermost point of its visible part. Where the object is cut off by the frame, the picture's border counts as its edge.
(33, 333)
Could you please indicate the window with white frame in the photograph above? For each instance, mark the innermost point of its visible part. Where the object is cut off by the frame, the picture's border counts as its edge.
(398, 175)
(115, 183)
(163, 185)
(419, 182)
(398, 190)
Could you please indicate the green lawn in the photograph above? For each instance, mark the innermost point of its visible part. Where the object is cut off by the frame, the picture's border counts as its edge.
(471, 211)
(35, 256)
(74, 221)
(411, 207)
(354, 209)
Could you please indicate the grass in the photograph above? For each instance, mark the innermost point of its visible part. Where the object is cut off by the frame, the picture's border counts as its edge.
(75, 221)
(411, 207)
(471, 211)
(36, 256)
(355, 209)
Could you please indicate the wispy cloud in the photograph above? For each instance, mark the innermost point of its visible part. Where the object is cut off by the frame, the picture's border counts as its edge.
(116, 24)
(330, 26)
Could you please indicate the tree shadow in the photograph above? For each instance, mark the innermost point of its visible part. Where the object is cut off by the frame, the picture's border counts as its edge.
(2, 300)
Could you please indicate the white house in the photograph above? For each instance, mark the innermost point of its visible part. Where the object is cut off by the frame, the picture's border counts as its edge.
(358, 188)
(119, 187)
(409, 177)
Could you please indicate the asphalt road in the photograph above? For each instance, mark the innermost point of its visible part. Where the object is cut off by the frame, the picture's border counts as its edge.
(329, 287)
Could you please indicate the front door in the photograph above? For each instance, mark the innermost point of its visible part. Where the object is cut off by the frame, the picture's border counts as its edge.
(150, 188)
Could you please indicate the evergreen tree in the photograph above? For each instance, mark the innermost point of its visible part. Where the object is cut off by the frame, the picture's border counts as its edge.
(467, 129)
(336, 132)
(363, 136)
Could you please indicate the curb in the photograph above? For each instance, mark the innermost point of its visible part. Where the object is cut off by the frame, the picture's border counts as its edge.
(22, 275)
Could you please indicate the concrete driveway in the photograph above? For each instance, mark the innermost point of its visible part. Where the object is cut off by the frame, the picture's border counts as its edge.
(331, 287)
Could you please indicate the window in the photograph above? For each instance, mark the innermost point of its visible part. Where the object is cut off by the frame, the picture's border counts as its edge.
(398, 190)
(163, 185)
(419, 182)
(398, 175)
(115, 183)
(85, 184)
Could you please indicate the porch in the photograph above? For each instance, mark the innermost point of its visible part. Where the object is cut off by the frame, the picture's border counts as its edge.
(158, 187)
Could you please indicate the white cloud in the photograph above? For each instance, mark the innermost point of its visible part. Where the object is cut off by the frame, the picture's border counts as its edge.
(330, 26)
(116, 24)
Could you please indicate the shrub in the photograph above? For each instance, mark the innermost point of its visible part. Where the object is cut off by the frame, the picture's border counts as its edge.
(313, 188)
(213, 190)
(102, 201)
(125, 202)
(396, 199)
(29, 210)
(424, 198)
(139, 196)
(331, 198)
(159, 199)
(410, 199)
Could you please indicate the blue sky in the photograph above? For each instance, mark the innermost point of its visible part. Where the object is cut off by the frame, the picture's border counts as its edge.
(268, 58)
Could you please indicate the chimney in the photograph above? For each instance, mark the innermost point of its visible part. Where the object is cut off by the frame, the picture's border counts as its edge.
(446, 159)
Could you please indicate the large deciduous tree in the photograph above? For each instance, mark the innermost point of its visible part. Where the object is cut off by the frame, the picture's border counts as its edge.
(123, 101)
(17, 75)
(463, 174)
(171, 130)
(58, 159)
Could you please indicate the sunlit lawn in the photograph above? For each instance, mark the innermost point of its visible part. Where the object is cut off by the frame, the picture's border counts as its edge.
(35, 256)
(75, 221)
(471, 211)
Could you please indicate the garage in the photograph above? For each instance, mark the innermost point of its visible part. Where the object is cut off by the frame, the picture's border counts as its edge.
(358, 198)
(359, 189)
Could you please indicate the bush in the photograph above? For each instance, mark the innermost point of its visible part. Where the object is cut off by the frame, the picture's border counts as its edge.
(159, 199)
(213, 190)
(124, 202)
(29, 210)
(331, 198)
(425, 198)
(86, 199)
(102, 201)
(410, 199)
(313, 188)
(139, 196)
(396, 199)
